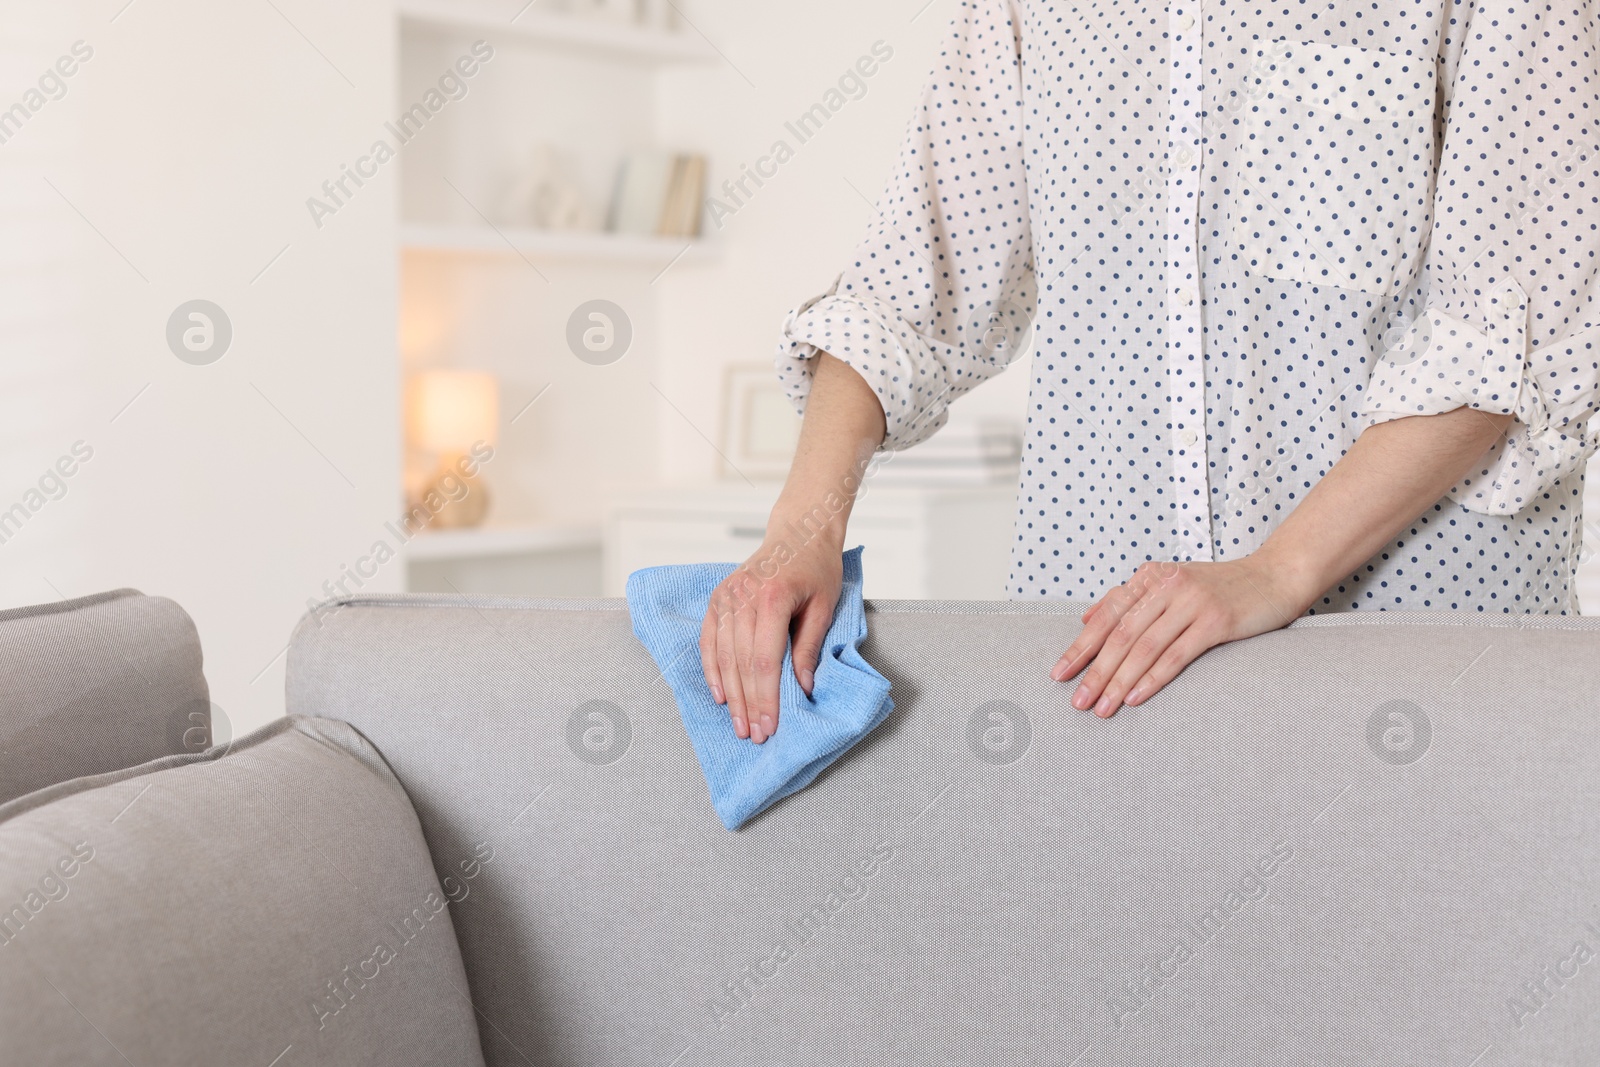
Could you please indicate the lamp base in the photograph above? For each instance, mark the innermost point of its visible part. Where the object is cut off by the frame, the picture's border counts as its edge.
(454, 500)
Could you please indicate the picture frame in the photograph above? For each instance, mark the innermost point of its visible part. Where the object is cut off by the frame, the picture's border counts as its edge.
(760, 427)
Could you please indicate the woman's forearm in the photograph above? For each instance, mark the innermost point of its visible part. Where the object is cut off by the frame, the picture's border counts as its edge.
(1140, 635)
(1393, 472)
(843, 427)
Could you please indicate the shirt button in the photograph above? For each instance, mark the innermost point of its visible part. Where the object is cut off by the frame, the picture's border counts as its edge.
(1186, 296)
(1185, 22)
(1188, 438)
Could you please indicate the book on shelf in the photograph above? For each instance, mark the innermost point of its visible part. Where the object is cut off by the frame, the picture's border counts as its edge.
(659, 194)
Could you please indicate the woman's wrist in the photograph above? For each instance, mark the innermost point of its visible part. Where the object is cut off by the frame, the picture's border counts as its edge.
(810, 519)
(814, 507)
(1293, 573)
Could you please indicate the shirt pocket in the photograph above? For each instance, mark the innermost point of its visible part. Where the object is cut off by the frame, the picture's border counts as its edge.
(1335, 166)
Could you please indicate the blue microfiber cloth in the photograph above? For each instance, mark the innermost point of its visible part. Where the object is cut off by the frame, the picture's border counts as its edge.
(848, 698)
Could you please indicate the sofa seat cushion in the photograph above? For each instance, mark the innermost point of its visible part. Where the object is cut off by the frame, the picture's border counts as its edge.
(268, 903)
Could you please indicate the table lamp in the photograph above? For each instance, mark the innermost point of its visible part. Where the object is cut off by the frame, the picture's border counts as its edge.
(450, 413)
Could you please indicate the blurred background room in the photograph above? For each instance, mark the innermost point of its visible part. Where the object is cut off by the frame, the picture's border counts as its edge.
(301, 300)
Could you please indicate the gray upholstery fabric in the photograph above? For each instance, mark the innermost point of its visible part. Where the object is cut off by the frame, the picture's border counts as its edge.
(1366, 838)
(271, 905)
(97, 684)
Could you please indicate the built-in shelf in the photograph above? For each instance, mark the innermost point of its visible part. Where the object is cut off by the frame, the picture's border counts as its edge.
(551, 244)
(501, 540)
(524, 22)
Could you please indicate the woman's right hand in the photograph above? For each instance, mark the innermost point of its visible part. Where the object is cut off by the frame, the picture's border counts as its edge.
(792, 582)
(782, 587)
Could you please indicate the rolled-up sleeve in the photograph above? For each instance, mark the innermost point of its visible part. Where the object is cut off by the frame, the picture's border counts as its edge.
(940, 294)
(1513, 259)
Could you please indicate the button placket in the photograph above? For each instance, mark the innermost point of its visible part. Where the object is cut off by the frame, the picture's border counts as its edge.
(1185, 366)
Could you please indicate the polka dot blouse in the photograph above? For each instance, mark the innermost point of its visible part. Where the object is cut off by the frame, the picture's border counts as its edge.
(1226, 237)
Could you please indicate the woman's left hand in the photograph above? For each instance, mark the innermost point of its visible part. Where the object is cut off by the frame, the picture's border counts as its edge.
(1138, 637)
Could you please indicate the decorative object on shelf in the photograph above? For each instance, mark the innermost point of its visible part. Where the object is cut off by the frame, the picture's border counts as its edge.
(759, 426)
(965, 451)
(545, 195)
(650, 32)
(454, 415)
(653, 14)
(659, 194)
(658, 15)
(605, 10)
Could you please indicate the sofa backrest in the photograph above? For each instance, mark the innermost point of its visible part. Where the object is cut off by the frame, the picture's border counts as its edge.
(97, 684)
(1368, 837)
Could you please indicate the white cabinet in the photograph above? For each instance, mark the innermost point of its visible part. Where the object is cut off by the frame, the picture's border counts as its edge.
(529, 559)
(918, 543)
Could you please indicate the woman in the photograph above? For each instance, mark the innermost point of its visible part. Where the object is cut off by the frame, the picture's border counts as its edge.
(1312, 299)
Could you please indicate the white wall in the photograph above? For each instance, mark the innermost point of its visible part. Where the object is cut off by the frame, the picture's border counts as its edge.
(189, 143)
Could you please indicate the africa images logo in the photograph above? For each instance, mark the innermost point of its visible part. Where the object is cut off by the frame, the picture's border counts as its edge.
(598, 733)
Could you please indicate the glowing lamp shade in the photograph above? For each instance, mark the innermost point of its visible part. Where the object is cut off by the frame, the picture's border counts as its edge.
(448, 411)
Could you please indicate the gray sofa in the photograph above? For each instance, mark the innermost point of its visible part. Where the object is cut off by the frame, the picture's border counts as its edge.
(482, 837)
